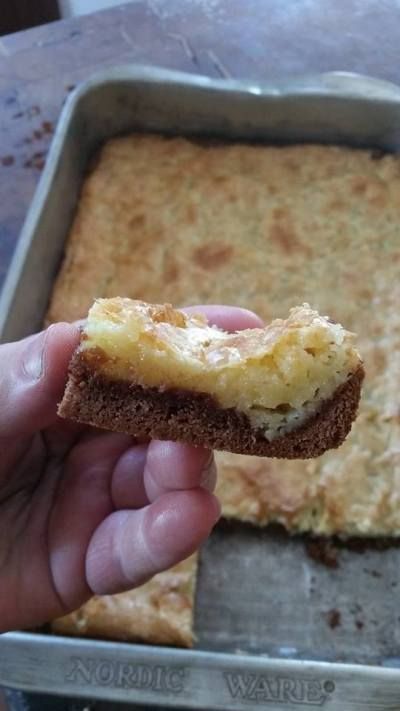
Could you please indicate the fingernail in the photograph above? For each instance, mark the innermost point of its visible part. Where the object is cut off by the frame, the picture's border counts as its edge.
(217, 507)
(33, 358)
(209, 474)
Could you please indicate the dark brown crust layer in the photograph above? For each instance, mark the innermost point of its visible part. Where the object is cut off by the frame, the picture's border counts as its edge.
(184, 416)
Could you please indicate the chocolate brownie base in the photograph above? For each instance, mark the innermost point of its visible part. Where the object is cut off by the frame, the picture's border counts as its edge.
(196, 418)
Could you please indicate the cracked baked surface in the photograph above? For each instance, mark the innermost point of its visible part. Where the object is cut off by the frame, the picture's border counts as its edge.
(288, 390)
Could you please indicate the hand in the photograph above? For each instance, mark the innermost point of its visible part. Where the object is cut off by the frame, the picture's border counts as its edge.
(84, 511)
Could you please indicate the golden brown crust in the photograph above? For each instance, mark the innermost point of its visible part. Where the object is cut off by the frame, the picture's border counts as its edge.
(159, 612)
(122, 406)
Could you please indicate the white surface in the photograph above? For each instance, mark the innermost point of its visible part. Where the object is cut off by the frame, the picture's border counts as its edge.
(69, 8)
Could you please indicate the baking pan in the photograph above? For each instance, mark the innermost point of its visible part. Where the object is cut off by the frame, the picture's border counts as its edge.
(269, 630)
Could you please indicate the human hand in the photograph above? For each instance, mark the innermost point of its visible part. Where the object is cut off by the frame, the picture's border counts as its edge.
(84, 511)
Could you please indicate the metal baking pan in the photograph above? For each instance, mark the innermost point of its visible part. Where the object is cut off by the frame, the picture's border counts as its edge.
(269, 630)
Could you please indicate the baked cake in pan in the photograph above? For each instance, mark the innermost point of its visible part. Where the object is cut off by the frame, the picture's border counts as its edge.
(171, 220)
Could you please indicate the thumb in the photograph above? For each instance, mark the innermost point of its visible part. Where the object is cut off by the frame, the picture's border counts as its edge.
(33, 373)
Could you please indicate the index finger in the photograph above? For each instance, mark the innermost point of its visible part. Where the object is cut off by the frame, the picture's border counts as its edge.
(230, 318)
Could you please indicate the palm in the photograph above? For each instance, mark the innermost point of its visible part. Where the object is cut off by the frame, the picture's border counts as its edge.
(45, 515)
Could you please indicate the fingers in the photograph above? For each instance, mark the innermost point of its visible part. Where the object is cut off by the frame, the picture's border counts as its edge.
(129, 547)
(81, 503)
(106, 472)
(127, 484)
(125, 547)
(33, 373)
(230, 318)
(144, 473)
(173, 466)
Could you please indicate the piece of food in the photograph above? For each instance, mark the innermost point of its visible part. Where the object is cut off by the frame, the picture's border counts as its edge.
(288, 390)
(159, 612)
